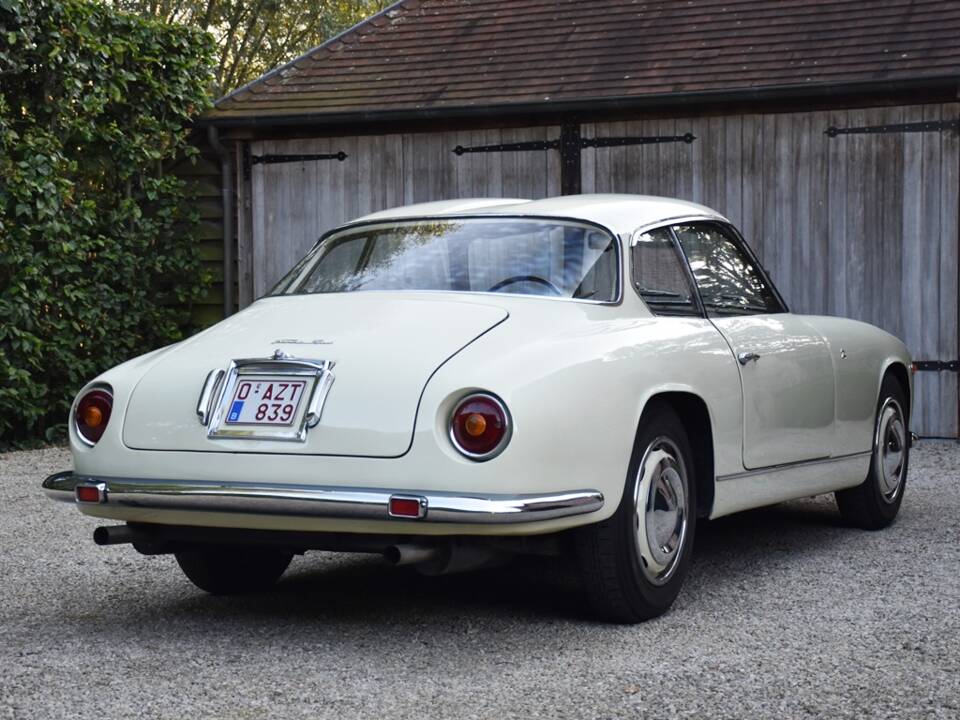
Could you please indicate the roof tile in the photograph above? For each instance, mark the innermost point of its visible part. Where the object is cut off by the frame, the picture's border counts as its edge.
(445, 54)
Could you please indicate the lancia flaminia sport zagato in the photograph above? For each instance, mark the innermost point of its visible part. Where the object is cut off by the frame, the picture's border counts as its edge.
(453, 383)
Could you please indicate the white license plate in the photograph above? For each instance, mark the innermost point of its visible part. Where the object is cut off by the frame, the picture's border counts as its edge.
(266, 401)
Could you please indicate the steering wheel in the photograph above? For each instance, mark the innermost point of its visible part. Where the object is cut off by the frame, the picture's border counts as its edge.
(527, 278)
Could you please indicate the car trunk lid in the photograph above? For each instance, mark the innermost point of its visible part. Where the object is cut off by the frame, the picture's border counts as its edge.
(384, 346)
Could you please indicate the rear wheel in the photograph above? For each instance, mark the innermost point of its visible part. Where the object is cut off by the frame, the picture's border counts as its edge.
(634, 563)
(874, 504)
(233, 570)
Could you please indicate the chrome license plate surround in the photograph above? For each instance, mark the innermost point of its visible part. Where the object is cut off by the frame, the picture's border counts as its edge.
(317, 374)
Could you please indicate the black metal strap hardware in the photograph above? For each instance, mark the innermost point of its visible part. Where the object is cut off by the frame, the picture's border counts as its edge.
(599, 142)
(596, 142)
(272, 159)
(927, 126)
(509, 147)
(936, 365)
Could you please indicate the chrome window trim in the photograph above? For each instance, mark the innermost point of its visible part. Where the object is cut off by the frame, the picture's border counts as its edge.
(616, 239)
(759, 265)
(742, 244)
(698, 310)
(671, 221)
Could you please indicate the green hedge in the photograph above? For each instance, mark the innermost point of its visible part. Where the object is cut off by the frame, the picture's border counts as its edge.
(97, 262)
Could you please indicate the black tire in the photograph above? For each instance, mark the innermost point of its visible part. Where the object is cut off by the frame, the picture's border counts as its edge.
(871, 505)
(233, 570)
(615, 575)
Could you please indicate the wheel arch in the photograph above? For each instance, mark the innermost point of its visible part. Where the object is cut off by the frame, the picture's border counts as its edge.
(898, 370)
(695, 416)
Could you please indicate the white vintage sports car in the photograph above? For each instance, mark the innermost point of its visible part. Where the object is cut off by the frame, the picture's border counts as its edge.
(455, 382)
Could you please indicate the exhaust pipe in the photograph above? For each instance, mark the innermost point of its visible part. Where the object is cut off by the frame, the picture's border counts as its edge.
(409, 554)
(446, 558)
(144, 542)
(113, 535)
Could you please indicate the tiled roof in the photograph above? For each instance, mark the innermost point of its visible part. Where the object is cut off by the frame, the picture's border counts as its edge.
(440, 56)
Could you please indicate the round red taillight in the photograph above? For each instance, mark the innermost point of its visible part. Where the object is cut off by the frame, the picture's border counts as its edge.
(480, 426)
(93, 414)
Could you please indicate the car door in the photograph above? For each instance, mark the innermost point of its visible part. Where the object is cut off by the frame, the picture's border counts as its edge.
(786, 368)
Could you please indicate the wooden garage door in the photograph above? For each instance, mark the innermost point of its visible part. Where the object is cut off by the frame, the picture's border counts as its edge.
(294, 203)
(858, 225)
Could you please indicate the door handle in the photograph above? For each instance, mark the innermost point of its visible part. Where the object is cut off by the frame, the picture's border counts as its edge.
(747, 357)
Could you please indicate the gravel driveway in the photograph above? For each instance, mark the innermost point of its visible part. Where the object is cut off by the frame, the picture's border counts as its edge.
(786, 614)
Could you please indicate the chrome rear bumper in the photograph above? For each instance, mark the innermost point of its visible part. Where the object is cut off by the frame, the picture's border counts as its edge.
(320, 501)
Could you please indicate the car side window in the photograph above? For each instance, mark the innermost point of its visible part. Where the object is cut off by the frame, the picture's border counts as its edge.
(659, 277)
(729, 281)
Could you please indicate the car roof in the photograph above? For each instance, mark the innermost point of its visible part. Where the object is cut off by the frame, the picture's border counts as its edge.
(620, 213)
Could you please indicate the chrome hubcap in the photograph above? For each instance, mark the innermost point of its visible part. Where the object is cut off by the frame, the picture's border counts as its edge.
(660, 510)
(890, 449)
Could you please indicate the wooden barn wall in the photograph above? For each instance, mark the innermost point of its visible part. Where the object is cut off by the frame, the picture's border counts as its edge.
(293, 204)
(862, 226)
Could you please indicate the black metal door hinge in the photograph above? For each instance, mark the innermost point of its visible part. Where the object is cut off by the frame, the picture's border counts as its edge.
(532, 145)
(936, 365)
(245, 160)
(273, 159)
(599, 142)
(250, 160)
(595, 142)
(926, 126)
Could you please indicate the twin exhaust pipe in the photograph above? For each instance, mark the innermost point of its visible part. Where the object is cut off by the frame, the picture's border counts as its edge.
(440, 559)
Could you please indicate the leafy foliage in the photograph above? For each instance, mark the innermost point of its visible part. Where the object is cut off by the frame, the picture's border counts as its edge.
(96, 259)
(253, 36)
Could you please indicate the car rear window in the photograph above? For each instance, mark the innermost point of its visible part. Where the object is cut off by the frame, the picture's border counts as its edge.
(519, 256)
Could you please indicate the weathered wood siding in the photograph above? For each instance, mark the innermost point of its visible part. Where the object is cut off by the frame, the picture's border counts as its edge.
(293, 204)
(862, 226)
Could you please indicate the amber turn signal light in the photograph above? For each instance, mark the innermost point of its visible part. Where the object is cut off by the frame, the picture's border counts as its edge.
(93, 414)
(475, 425)
(480, 426)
